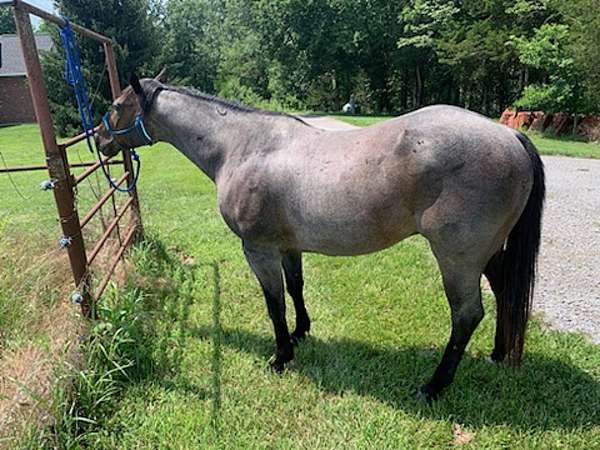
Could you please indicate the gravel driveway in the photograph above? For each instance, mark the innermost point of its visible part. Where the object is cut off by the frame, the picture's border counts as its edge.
(568, 287)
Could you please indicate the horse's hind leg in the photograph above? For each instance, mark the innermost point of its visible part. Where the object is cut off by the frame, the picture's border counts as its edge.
(292, 268)
(461, 284)
(494, 272)
(266, 264)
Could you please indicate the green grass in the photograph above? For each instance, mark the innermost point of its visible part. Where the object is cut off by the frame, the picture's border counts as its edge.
(546, 145)
(192, 337)
(361, 121)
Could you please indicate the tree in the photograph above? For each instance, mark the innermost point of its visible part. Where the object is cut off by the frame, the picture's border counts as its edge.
(547, 51)
(191, 44)
(584, 47)
(132, 26)
(7, 21)
(424, 22)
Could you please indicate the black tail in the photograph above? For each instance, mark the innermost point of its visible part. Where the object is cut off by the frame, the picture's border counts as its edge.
(520, 260)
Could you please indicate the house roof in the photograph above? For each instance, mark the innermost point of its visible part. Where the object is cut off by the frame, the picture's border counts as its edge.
(11, 56)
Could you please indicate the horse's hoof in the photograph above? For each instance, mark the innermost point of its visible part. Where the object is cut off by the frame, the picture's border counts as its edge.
(277, 362)
(277, 366)
(297, 337)
(427, 394)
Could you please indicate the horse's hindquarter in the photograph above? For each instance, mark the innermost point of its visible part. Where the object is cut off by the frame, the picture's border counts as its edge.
(482, 177)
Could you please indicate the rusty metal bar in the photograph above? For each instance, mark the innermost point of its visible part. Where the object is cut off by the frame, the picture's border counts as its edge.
(22, 168)
(102, 201)
(26, 7)
(57, 168)
(42, 167)
(113, 74)
(109, 230)
(93, 167)
(115, 261)
(115, 87)
(76, 139)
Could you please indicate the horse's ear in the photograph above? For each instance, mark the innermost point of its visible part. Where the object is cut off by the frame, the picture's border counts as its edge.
(162, 75)
(135, 84)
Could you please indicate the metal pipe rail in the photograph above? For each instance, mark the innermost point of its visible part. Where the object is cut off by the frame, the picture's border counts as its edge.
(93, 167)
(102, 201)
(100, 243)
(43, 167)
(115, 261)
(76, 139)
(30, 9)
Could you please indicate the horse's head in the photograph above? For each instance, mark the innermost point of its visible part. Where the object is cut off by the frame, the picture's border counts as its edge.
(123, 126)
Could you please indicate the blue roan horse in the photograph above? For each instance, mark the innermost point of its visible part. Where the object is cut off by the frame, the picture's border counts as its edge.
(473, 188)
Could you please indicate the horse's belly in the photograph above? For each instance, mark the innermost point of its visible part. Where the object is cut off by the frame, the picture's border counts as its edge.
(354, 236)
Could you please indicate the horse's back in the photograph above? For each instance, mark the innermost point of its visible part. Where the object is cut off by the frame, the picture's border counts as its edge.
(441, 171)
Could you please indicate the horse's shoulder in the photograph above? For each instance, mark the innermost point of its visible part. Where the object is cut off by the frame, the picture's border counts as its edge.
(244, 196)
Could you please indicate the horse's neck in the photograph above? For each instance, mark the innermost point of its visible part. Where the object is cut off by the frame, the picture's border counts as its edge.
(208, 133)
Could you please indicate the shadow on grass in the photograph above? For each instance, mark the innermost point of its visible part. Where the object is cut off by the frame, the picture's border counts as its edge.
(167, 288)
(544, 394)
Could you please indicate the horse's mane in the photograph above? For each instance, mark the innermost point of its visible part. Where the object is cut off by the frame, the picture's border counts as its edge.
(153, 87)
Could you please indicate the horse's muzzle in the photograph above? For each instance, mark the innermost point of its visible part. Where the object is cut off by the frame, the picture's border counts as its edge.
(107, 145)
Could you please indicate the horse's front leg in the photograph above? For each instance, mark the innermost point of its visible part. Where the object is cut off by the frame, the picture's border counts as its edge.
(266, 264)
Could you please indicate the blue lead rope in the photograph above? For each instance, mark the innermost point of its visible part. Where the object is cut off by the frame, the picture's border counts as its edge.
(74, 77)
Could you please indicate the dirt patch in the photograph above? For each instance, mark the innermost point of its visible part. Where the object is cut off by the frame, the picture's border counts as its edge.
(29, 374)
(41, 336)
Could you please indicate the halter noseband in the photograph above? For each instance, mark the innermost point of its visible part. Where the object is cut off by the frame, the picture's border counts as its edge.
(138, 125)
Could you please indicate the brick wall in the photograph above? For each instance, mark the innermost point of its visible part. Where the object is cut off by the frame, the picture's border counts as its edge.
(15, 100)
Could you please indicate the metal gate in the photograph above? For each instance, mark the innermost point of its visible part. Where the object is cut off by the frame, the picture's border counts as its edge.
(63, 182)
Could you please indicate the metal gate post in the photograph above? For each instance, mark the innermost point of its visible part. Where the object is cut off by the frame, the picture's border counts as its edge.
(57, 168)
(115, 88)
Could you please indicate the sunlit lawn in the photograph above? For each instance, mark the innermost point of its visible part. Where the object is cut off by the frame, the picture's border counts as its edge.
(203, 338)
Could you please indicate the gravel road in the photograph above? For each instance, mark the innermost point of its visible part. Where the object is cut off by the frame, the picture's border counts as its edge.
(568, 287)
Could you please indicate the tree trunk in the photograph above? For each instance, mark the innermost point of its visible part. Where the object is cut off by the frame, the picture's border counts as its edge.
(404, 92)
(418, 85)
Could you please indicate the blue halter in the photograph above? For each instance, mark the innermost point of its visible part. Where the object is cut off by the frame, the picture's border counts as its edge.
(138, 126)
(74, 77)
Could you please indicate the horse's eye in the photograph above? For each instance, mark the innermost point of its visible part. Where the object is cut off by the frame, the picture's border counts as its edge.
(117, 107)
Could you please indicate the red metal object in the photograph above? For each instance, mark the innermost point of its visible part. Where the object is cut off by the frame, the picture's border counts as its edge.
(108, 231)
(92, 168)
(102, 201)
(63, 191)
(75, 139)
(115, 87)
(93, 165)
(113, 264)
(59, 167)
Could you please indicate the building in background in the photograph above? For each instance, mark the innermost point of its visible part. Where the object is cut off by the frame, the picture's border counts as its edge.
(15, 100)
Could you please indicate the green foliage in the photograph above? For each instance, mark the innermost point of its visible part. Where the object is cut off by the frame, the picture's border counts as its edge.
(7, 21)
(191, 44)
(315, 54)
(584, 47)
(131, 25)
(546, 51)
